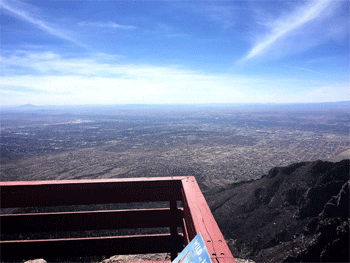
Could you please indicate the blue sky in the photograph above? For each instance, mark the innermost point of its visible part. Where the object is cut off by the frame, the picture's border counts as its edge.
(163, 52)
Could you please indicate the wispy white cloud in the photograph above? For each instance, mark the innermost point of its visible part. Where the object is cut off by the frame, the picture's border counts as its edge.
(332, 93)
(220, 13)
(17, 9)
(169, 31)
(288, 25)
(302, 68)
(97, 80)
(110, 24)
(165, 30)
(61, 80)
(328, 60)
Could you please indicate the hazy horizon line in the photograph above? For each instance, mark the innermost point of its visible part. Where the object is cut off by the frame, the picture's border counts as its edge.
(173, 104)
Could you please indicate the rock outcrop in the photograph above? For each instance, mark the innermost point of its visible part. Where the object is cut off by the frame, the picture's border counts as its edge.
(329, 232)
(288, 212)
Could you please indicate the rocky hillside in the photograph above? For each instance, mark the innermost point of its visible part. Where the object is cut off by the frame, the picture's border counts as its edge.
(298, 213)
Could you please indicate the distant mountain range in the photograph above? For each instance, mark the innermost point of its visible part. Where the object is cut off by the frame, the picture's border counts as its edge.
(298, 213)
(243, 106)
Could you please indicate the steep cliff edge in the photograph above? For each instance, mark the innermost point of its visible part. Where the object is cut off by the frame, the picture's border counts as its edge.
(298, 213)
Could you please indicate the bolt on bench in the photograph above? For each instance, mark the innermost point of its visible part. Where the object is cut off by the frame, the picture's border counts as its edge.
(193, 217)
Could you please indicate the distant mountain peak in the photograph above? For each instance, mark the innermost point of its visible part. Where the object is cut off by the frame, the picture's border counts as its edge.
(27, 106)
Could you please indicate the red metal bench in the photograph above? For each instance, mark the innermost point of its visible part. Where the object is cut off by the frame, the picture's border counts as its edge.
(193, 217)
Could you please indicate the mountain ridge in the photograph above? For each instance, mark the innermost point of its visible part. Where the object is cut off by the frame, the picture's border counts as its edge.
(267, 219)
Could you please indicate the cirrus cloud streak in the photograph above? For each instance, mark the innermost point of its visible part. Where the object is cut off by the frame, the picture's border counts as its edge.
(300, 29)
